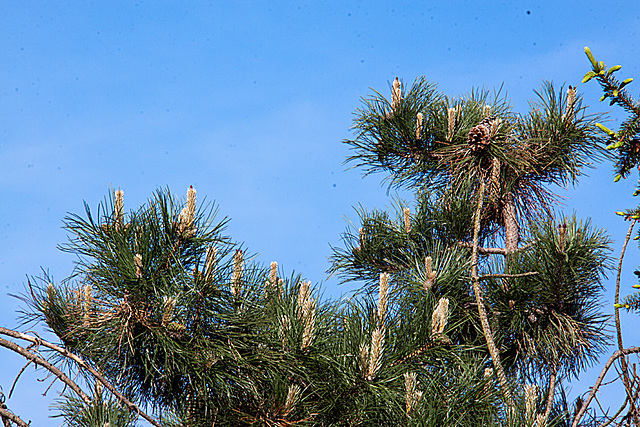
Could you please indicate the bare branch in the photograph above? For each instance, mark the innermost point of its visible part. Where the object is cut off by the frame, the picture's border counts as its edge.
(625, 370)
(5, 414)
(495, 251)
(40, 361)
(490, 276)
(130, 405)
(595, 387)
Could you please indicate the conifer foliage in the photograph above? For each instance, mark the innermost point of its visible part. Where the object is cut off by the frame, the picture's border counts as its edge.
(477, 300)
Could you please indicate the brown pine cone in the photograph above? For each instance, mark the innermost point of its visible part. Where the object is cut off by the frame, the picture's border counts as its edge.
(479, 137)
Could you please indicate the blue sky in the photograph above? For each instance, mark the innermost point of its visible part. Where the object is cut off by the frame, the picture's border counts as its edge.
(249, 102)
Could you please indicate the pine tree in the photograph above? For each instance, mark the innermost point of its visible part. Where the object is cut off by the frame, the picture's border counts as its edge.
(477, 301)
(528, 284)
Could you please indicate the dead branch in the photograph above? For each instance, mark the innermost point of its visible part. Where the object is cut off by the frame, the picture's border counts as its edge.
(596, 386)
(625, 371)
(130, 405)
(9, 417)
(40, 361)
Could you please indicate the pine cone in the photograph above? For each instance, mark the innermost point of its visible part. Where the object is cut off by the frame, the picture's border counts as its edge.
(480, 136)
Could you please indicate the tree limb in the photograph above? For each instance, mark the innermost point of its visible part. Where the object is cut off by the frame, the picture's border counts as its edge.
(595, 387)
(550, 393)
(40, 361)
(490, 276)
(625, 370)
(83, 364)
(496, 251)
(5, 414)
(486, 328)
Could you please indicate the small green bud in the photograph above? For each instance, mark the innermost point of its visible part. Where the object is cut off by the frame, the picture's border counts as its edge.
(616, 144)
(626, 82)
(588, 76)
(621, 305)
(617, 178)
(613, 69)
(605, 129)
(636, 286)
(587, 51)
(620, 213)
(615, 92)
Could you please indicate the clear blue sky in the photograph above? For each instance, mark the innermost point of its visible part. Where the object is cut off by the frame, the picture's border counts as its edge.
(249, 102)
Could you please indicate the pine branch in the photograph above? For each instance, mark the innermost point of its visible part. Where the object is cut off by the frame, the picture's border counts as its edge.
(491, 276)
(486, 328)
(550, 393)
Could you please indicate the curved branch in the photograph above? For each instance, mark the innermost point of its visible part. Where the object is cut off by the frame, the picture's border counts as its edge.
(5, 414)
(83, 364)
(40, 361)
(595, 387)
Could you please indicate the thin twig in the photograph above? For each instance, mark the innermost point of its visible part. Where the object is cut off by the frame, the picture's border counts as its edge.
(17, 377)
(614, 416)
(625, 373)
(595, 387)
(132, 406)
(490, 276)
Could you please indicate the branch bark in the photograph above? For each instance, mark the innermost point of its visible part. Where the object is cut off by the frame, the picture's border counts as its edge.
(83, 364)
(486, 328)
(5, 414)
(550, 393)
(595, 387)
(625, 369)
(40, 361)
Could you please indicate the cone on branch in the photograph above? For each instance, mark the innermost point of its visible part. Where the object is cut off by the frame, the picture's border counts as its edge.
(479, 136)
